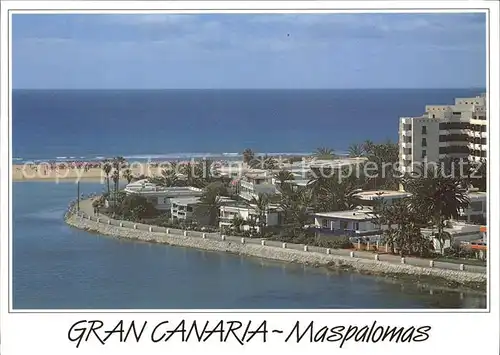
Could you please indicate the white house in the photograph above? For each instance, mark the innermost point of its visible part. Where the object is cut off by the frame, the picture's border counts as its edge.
(160, 196)
(476, 212)
(369, 198)
(459, 232)
(256, 182)
(248, 212)
(352, 223)
(183, 208)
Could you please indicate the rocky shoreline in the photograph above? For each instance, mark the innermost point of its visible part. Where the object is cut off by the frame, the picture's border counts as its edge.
(450, 278)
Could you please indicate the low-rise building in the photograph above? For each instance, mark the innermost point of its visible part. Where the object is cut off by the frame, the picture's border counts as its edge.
(352, 223)
(476, 212)
(370, 198)
(256, 182)
(248, 213)
(183, 208)
(161, 196)
(458, 232)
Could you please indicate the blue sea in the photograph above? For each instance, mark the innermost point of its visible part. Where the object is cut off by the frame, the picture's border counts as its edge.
(91, 124)
(58, 267)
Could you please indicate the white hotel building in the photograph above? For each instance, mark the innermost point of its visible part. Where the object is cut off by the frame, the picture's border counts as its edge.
(454, 131)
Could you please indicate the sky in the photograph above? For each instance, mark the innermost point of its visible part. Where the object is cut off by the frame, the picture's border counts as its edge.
(181, 51)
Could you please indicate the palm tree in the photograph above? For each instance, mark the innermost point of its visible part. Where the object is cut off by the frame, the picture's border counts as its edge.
(269, 163)
(336, 192)
(248, 155)
(107, 167)
(367, 147)
(127, 174)
(404, 227)
(297, 207)
(169, 177)
(355, 150)
(324, 153)
(261, 205)
(477, 175)
(118, 163)
(283, 176)
(237, 222)
(438, 197)
(210, 201)
(384, 156)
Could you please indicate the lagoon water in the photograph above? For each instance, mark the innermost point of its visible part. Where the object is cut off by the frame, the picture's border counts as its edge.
(58, 267)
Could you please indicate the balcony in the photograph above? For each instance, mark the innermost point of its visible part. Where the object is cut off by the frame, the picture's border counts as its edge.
(346, 232)
(454, 143)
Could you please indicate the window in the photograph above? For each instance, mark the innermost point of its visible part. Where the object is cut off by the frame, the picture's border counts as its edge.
(424, 142)
(424, 153)
(424, 129)
(433, 116)
(476, 206)
(356, 226)
(325, 223)
(189, 209)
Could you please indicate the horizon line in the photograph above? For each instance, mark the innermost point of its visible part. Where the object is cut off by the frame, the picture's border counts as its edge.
(256, 88)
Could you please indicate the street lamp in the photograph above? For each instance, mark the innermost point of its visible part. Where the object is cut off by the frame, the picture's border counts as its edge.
(78, 196)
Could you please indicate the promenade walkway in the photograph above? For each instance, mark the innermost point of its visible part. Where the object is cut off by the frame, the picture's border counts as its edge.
(87, 209)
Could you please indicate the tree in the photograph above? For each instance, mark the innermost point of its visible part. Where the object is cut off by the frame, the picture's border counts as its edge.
(367, 147)
(296, 205)
(477, 174)
(283, 176)
(210, 203)
(356, 150)
(269, 163)
(403, 227)
(335, 193)
(248, 155)
(136, 207)
(127, 174)
(118, 163)
(324, 153)
(169, 177)
(261, 206)
(116, 180)
(437, 197)
(382, 159)
(237, 222)
(107, 167)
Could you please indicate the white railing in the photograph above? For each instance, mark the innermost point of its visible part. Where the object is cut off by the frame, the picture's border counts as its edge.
(367, 255)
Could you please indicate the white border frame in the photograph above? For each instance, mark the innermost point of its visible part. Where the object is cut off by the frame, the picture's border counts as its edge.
(12, 321)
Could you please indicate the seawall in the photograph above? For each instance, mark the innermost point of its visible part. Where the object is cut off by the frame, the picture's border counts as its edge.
(275, 251)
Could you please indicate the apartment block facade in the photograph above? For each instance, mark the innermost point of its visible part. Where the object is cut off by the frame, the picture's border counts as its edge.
(456, 131)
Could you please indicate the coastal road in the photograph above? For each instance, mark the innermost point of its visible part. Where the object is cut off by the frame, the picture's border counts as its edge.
(86, 207)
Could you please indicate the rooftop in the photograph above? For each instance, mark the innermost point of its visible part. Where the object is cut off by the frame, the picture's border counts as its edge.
(185, 201)
(477, 194)
(358, 214)
(320, 163)
(144, 186)
(374, 194)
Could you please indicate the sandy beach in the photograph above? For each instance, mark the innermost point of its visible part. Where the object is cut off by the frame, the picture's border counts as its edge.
(42, 172)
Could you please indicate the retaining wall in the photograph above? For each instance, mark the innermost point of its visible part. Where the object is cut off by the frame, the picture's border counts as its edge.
(310, 255)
